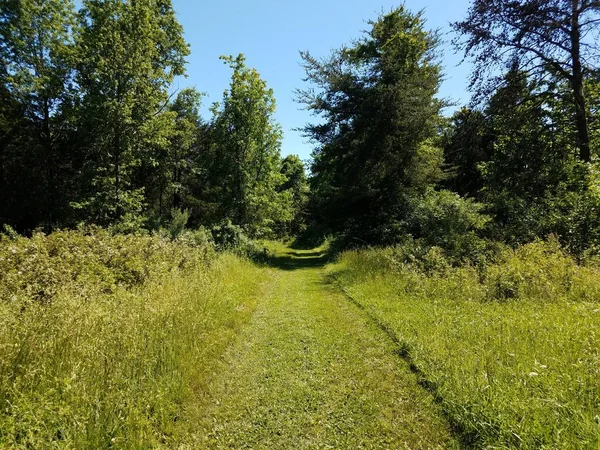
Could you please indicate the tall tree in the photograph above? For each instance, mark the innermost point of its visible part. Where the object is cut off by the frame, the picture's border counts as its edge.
(129, 53)
(376, 101)
(247, 143)
(165, 172)
(36, 78)
(542, 37)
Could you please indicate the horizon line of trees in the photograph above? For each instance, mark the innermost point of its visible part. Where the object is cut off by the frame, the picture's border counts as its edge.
(518, 164)
(89, 131)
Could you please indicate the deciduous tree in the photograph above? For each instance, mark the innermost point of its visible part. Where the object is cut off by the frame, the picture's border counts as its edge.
(541, 37)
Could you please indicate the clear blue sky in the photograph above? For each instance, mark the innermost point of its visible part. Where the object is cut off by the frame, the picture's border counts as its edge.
(272, 32)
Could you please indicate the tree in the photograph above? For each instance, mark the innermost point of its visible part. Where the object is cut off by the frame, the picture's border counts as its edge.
(532, 183)
(36, 82)
(541, 37)
(246, 144)
(170, 159)
(129, 53)
(379, 116)
(467, 143)
(292, 168)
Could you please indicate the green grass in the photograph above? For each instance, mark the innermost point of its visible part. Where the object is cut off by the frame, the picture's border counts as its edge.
(159, 344)
(310, 371)
(117, 370)
(141, 342)
(513, 352)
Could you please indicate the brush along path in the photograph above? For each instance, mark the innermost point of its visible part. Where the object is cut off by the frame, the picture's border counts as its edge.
(310, 371)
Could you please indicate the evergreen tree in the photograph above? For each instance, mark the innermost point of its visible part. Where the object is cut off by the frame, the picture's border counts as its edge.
(379, 117)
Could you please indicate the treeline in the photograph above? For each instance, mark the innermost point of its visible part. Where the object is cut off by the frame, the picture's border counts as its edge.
(517, 164)
(92, 131)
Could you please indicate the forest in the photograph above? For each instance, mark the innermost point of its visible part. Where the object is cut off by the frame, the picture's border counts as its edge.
(149, 255)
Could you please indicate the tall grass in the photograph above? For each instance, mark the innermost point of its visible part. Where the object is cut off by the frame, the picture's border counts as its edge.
(104, 345)
(512, 350)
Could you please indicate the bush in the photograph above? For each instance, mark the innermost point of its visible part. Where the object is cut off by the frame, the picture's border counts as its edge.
(446, 220)
(91, 261)
(540, 270)
(228, 236)
(179, 219)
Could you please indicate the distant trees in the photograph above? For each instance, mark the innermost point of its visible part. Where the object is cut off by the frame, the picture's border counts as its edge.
(91, 130)
(467, 143)
(246, 145)
(296, 183)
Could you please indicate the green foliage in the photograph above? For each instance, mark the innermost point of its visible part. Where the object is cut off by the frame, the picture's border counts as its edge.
(228, 236)
(444, 219)
(36, 94)
(375, 141)
(128, 55)
(110, 339)
(89, 263)
(467, 142)
(296, 183)
(527, 168)
(179, 219)
(525, 36)
(246, 145)
(511, 351)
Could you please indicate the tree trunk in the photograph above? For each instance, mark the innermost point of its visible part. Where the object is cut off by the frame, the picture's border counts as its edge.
(176, 193)
(581, 120)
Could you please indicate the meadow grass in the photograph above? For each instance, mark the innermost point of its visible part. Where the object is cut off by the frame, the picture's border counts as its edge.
(310, 371)
(113, 367)
(511, 350)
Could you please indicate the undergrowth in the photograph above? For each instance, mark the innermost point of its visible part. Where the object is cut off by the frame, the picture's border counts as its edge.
(511, 348)
(104, 339)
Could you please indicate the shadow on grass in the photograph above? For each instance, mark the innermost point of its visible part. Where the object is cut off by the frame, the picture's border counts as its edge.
(294, 260)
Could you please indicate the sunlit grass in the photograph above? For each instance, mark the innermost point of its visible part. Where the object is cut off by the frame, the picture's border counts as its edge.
(513, 353)
(117, 368)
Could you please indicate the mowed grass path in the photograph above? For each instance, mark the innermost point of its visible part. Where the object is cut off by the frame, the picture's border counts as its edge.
(310, 371)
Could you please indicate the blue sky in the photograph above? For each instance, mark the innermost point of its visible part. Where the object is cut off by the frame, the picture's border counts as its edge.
(272, 32)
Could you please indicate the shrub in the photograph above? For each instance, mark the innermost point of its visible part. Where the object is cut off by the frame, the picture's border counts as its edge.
(446, 220)
(228, 236)
(540, 270)
(90, 261)
(179, 219)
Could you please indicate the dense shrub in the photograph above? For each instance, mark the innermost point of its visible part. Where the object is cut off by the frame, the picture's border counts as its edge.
(88, 262)
(446, 220)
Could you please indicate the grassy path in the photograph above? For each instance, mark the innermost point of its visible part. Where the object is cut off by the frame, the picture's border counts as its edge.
(309, 371)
